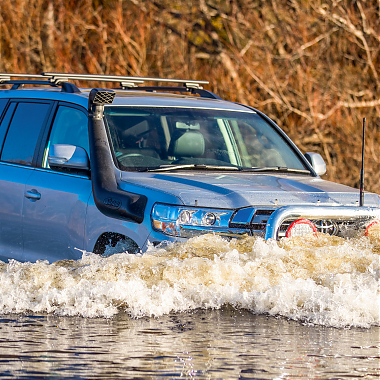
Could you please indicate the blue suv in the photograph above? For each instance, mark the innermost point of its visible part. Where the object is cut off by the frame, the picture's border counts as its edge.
(85, 168)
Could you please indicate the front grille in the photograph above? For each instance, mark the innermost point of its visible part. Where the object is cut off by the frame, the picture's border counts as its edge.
(327, 226)
(260, 220)
(264, 212)
(258, 226)
(334, 227)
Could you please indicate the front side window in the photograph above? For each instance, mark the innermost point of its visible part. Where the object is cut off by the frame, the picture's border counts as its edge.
(146, 138)
(69, 127)
(24, 130)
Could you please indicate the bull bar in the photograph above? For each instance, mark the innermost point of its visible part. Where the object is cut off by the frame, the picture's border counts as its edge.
(315, 212)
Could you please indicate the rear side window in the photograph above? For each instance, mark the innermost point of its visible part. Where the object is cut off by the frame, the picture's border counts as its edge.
(24, 130)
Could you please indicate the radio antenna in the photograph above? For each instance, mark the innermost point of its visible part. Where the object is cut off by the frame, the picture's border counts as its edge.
(361, 201)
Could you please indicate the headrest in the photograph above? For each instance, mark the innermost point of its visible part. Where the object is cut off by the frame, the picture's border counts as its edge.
(188, 143)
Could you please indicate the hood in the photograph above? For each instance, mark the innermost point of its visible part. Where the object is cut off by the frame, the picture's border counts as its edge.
(235, 190)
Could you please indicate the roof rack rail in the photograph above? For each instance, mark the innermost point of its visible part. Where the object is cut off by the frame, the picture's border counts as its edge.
(5, 78)
(126, 82)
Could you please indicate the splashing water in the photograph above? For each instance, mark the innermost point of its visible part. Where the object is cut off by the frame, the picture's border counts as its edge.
(321, 280)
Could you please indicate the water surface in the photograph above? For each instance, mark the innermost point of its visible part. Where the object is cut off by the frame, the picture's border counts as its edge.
(204, 344)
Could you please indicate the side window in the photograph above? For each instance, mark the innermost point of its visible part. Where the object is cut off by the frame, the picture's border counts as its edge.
(24, 130)
(69, 127)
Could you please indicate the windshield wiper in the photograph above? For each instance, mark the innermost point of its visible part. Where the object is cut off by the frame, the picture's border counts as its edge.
(167, 168)
(280, 169)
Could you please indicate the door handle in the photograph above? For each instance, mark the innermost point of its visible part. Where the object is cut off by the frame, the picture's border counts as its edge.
(33, 195)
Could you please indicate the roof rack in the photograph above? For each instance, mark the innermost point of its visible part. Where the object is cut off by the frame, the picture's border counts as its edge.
(126, 82)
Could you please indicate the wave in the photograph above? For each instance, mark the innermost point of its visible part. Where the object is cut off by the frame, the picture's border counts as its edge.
(320, 280)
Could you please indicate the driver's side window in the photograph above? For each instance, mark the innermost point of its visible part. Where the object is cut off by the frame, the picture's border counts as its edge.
(69, 127)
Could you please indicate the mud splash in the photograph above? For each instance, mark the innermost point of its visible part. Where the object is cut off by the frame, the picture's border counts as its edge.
(319, 280)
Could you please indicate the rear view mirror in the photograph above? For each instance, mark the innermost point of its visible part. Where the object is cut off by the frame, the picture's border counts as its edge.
(68, 156)
(317, 162)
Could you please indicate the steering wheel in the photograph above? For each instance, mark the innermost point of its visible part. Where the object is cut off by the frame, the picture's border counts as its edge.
(130, 155)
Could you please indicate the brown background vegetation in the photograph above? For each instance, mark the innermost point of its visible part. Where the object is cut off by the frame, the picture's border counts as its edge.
(312, 66)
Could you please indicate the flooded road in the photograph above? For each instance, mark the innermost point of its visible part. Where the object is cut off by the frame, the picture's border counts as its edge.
(207, 309)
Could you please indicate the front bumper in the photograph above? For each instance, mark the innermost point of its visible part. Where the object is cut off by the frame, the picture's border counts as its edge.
(273, 222)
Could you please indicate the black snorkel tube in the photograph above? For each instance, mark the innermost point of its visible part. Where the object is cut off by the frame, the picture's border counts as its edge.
(109, 199)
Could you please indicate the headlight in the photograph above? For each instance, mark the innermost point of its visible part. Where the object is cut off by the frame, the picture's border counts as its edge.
(189, 221)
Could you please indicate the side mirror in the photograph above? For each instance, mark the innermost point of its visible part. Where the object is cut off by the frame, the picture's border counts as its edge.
(317, 162)
(68, 156)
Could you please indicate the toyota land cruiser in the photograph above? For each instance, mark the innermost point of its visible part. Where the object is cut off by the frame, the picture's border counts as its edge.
(84, 168)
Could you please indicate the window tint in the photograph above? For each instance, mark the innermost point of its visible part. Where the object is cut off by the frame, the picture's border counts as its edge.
(23, 132)
(69, 127)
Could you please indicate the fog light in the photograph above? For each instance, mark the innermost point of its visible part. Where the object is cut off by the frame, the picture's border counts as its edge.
(301, 227)
(373, 229)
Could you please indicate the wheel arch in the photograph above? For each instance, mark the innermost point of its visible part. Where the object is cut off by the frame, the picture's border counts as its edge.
(111, 239)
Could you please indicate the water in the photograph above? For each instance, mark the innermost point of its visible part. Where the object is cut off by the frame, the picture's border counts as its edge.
(208, 309)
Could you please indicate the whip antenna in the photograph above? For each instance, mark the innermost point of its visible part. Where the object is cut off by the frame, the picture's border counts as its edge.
(361, 202)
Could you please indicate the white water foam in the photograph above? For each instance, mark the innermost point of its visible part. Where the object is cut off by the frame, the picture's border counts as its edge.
(320, 280)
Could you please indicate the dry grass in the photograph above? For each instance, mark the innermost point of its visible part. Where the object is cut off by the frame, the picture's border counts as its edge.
(312, 66)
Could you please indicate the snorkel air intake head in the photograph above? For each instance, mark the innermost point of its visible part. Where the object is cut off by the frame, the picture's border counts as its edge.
(97, 99)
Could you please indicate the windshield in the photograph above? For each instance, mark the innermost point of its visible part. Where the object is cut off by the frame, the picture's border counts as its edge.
(148, 138)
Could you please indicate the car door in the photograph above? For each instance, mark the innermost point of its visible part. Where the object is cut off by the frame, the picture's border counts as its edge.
(20, 132)
(54, 222)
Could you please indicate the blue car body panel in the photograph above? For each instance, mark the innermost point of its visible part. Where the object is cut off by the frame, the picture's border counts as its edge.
(54, 225)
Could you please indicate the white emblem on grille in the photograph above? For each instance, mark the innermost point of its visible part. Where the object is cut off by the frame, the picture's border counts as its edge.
(326, 226)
